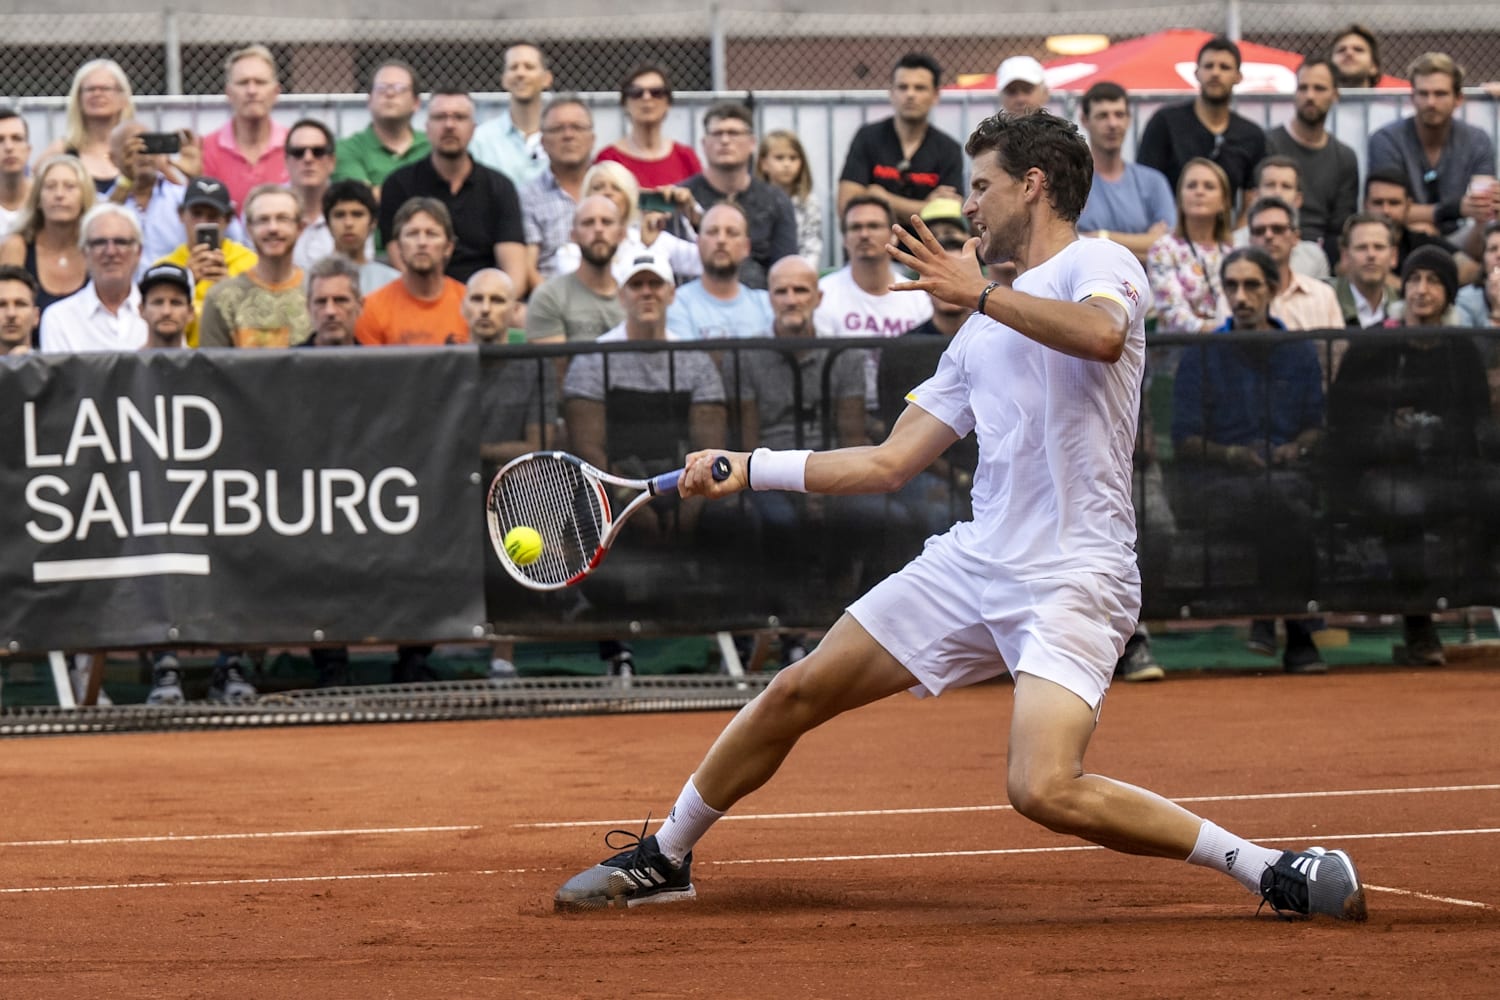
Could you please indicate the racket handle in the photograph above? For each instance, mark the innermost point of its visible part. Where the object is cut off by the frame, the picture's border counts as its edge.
(667, 482)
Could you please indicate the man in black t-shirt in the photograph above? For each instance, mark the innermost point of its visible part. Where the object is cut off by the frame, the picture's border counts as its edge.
(1205, 126)
(904, 160)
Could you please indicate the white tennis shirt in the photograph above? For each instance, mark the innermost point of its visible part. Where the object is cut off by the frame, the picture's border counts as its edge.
(1056, 434)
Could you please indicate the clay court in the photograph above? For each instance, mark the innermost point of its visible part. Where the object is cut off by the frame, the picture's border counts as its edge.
(419, 860)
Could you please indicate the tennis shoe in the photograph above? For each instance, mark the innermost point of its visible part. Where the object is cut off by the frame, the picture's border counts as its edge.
(1311, 882)
(230, 686)
(639, 875)
(166, 683)
(1138, 664)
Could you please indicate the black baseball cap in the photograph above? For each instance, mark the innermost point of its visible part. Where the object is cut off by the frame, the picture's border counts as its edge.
(169, 274)
(208, 191)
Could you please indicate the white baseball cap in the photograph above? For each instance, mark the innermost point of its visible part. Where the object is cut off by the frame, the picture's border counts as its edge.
(646, 262)
(1023, 68)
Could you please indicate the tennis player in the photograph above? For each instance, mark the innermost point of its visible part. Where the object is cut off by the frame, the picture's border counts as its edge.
(1042, 581)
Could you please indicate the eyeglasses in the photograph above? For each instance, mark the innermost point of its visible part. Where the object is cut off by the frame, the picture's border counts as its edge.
(1248, 285)
(113, 88)
(391, 88)
(111, 243)
(298, 152)
(568, 129)
(636, 93)
(728, 134)
(1271, 229)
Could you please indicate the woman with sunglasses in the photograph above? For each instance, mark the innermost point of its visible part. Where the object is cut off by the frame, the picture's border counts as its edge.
(655, 160)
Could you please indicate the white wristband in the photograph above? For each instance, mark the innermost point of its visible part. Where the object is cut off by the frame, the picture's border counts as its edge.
(778, 470)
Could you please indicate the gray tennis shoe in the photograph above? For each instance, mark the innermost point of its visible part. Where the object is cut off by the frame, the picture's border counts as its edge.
(636, 876)
(1314, 881)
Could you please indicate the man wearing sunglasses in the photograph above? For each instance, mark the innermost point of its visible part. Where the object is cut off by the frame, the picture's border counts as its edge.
(1303, 303)
(310, 159)
(105, 314)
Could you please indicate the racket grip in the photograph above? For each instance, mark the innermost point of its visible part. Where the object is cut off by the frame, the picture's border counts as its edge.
(667, 481)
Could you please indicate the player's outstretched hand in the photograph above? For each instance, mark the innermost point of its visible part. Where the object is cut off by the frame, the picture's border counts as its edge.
(698, 479)
(953, 279)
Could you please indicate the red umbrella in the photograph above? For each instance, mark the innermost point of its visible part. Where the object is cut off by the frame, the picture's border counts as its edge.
(1166, 61)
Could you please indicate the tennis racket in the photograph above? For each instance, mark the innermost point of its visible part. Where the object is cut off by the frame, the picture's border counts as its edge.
(564, 499)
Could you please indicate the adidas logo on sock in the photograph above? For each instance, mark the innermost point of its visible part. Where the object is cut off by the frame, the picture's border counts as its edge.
(1230, 858)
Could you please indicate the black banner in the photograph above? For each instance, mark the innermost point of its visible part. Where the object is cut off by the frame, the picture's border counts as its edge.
(221, 497)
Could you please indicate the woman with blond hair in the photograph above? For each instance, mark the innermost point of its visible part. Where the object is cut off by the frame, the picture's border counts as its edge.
(99, 99)
(645, 232)
(46, 238)
(1184, 264)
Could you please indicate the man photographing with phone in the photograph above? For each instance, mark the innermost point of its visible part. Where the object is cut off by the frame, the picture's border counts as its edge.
(150, 183)
(207, 252)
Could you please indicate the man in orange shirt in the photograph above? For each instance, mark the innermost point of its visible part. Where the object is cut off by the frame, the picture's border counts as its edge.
(426, 306)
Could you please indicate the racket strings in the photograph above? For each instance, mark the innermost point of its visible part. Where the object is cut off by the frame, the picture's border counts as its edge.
(563, 504)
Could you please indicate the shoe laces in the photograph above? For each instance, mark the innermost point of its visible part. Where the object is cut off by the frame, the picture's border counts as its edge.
(633, 850)
(1285, 890)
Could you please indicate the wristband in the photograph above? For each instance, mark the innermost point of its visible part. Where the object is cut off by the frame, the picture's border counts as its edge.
(984, 296)
(779, 470)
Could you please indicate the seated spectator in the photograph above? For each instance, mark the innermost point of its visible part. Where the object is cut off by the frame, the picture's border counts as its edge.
(1247, 449)
(426, 306)
(1184, 265)
(944, 218)
(46, 238)
(145, 186)
(1364, 287)
(1437, 153)
(310, 160)
(1128, 203)
(1301, 303)
(583, 303)
(167, 309)
(550, 199)
(350, 210)
(389, 141)
(653, 159)
(249, 149)
(481, 202)
(489, 309)
(728, 145)
(1407, 421)
(645, 232)
(1479, 301)
(19, 315)
(1327, 169)
(334, 302)
(98, 101)
(265, 306)
(209, 251)
(1021, 83)
(512, 142)
(1277, 177)
(15, 158)
(1355, 53)
(105, 315)
(782, 162)
(717, 305)
(1388, 194)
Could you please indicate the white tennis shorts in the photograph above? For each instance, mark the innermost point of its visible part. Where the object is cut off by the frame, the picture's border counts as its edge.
(952, 626)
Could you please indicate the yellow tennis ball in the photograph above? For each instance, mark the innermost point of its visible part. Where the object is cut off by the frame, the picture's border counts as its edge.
(523, 545)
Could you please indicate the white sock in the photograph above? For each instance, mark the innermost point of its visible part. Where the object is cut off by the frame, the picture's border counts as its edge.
(688, 821)
(1222, 851)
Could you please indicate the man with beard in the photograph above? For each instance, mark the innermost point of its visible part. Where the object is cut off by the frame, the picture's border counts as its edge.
(1205, 126)
(582, 304)
(19, 315)
(166, 306)
(264, 306)
(1128, 203)
(1355, 55)
(717, 305)
(1328, 168)
(904, 159)
(425, 306)
(482, 203)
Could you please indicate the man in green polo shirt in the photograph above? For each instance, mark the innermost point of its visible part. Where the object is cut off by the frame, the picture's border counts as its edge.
(389, 141)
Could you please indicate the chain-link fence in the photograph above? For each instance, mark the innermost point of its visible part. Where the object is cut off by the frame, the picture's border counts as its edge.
(706, 45)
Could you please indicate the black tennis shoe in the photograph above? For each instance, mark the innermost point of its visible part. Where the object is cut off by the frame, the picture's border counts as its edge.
(1313, 881)
(638, 875)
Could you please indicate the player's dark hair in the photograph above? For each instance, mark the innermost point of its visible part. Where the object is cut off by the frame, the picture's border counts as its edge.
(1104, 90)
(1313, 62)
(865, 199)
(920, 60)
(1220, 43)
(1040, 140)
(14, 272)
(350, 189)
(1389, 175)
(1271, 203)
(1260, 259)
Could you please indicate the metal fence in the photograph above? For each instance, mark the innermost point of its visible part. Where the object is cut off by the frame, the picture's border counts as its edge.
(707, 45)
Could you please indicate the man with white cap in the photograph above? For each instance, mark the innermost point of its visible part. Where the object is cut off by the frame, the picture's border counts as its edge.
(1022, 85)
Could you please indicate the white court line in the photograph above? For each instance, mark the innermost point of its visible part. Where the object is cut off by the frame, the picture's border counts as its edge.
(1423, 895)
(274, 835)
(930, 810)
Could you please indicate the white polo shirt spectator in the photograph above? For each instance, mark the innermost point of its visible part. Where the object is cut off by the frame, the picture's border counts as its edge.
(80, 322)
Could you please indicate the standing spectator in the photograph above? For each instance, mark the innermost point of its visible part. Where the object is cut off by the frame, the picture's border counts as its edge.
(389, 141)
(1438, 154)
(310, 158)
(1184, 264)
(45, 240)
(426, 306)
(167, 309)
(249, 149)
(782, 162)
(1021, 83)
(334, 302)
(905, 159)
(645, 232)
(728, 144)
(266, 305)
(717, 305)
(1479, 301)
(143, 186)
(98, 100)
(208, 251)
(351, 209)
(549, 201)
(512, 143)
(1205, 127)
(857, 298)
(1355, 54)
(482, 203)
(105, 315)
(19, 315)
(581, 304)
(15, 155)
(1328, 169)
(1364, 287)
(1244, 419)
(1277, 177)
(1128, 203)
(655, 160)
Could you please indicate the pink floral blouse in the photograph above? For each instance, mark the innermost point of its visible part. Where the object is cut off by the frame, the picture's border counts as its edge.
(1185, 284)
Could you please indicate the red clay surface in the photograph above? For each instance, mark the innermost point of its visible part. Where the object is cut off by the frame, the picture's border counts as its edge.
(468, 912)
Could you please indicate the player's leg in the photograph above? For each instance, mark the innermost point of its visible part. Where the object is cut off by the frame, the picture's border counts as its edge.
(1050, 731)
(848, 669)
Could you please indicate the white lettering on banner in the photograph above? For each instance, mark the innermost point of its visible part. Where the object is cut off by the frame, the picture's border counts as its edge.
(154, 435)
(92, 436)
(273, 505)
(90, 432)
(139, 527)
(48, 536)
(99, 507)
(180, 450)
(410, 503)
(245, 502)
(194, 478)
(34, 458)
(348, 504)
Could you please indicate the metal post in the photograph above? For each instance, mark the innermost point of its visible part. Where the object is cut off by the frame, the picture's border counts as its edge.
(718, 74)
(1232, 20)
(172, 43)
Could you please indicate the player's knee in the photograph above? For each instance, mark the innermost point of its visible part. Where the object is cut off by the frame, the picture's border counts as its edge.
(1042, 795)
(790, 699)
